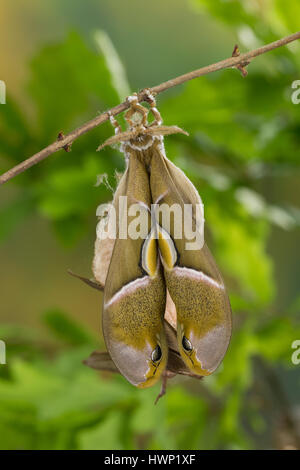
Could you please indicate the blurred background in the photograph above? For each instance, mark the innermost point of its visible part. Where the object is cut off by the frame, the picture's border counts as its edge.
(64, 62)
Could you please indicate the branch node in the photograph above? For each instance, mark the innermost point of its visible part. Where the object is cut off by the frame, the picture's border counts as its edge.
(242, 66)
(66, 147)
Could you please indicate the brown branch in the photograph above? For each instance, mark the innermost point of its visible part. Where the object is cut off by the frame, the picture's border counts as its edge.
(237, 60)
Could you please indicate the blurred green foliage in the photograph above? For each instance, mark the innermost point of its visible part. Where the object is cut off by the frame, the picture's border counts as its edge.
(240, 129)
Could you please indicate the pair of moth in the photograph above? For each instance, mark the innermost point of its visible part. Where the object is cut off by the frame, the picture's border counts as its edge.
(141, 274)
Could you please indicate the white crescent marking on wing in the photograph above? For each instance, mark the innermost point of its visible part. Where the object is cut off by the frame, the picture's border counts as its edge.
(128, 289)
(197, 275)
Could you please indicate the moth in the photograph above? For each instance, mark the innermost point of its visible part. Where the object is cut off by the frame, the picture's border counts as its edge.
(101, 360)
(143, 271)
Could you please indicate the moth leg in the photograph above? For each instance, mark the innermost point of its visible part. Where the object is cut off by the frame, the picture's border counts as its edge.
(89, 282)
(165, 376)
(114, 123)
(151, 100)
(135, 107)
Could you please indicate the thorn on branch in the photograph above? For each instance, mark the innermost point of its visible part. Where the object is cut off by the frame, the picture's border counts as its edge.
(66, 147)
(241, 67)
(236, 51)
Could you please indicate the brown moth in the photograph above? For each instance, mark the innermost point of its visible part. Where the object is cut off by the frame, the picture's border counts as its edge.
(142, 270)
(101, 360)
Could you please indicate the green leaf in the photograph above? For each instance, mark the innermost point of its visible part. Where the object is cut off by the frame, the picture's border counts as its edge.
(71, 191)
(105, 435)
(13, 214)
(66, 328)
(274, 339)
(236, 241)
(69, 89)
(114, 64)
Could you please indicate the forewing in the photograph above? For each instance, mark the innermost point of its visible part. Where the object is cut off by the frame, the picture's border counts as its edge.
(192, 277)
(134, 293)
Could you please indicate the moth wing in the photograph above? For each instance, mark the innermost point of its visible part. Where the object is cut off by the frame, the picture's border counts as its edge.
(193, 280)
(134, 293)
(104, 243)
(189, 193)
(101, 360)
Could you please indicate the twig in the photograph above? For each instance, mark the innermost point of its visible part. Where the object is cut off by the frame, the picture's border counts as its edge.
(239, 61)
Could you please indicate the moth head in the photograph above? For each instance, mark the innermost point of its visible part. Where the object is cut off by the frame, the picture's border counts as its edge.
(141, 366)
(191, 349)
